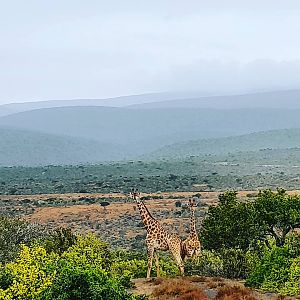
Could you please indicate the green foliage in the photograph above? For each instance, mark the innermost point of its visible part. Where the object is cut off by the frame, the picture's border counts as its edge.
(278, 269)
(84, 281)
(228, 263)
(84, 270)
(89, 250)
(13, 233)
(28, 276)
(127, 265)
(237, 263)
(209, 263)
(277, 213)
(292, 285)
(231, 224)
(234, 224)
(60, 240)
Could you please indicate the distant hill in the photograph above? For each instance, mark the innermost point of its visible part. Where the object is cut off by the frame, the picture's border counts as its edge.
(276, 99)
(28, 148)
(122, 101)
(289, 99)
(276, 139)
(144, 131)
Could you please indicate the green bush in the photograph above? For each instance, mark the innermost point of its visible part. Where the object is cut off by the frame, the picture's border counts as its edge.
(84, 270)
(292, 285)
(237, 263)
(29, 275)
(209, 263)
(59, 240)
(13, 233)
(273, 271)
(231, 224)
(74, 282)
(128, 264)
(234, 224)
(229, 263)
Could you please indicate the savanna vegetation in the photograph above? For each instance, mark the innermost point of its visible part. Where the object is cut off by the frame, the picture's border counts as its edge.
(241, 171)
(256, 240)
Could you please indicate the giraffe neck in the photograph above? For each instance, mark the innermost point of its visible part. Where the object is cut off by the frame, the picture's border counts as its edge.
(193, 222)
(144, 212)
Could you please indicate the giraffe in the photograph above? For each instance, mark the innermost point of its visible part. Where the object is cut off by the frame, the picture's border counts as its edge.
(158, 238)
(191, 244)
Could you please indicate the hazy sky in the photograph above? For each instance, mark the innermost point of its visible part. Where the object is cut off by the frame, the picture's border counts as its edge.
(66, 49)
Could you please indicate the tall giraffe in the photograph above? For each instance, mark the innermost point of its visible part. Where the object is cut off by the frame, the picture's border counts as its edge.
(191, 244)
(158, 238)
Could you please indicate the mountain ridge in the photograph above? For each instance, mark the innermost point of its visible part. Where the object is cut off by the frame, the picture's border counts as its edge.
(273, 139)
(30, 148)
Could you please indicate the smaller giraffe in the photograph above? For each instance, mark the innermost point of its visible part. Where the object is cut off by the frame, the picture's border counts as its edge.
(191, 245)
(158, 238)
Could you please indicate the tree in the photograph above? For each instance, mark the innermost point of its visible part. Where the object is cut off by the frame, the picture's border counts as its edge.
(13, 233)
(231, 224)
(277, 213)
(234, 224)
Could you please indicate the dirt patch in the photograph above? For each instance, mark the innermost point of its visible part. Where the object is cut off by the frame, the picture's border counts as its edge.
(200, 288)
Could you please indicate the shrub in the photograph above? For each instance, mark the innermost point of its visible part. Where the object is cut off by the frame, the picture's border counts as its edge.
(234, 293)
(59, 240)
(128, 264)
(229, 263)
(83, 271)
(292, 285)
(209, 263)
(29, 275)
(238, 263)
(89, 250)
(272, 271)
(13, 233)
(84, 282)
(231, 224)
(177, 289)
(126, 270)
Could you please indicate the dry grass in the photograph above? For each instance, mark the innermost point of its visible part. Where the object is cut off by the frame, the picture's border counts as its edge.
(193, 295)
(234, 293)
(197, 278)
(178, 289)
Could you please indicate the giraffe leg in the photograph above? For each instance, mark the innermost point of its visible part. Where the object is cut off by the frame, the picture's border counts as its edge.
(157, 265)
(179, 262)
(150, 260)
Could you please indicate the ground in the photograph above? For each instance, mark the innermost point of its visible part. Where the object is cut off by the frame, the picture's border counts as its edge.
(209, 285)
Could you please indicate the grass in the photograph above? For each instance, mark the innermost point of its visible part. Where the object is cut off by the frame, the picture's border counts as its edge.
(178, 289)
(234, 293)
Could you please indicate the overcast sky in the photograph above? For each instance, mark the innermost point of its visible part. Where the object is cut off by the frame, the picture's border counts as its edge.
(67, 49)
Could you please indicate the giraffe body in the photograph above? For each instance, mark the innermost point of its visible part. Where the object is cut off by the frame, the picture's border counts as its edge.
(158, 238)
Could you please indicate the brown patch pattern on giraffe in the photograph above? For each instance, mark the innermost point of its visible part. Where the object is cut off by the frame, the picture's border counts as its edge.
(158, 238)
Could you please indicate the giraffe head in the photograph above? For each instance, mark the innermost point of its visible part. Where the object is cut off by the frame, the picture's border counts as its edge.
(191, 247)
(192, 203)
(135, 194)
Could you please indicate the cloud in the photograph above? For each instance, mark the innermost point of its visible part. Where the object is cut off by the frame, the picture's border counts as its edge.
(70, 49)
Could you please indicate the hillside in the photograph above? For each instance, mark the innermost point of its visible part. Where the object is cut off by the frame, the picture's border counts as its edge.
(144, 131)
(29, 148)
(276, 99)
(121, 101)
(275, 139)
